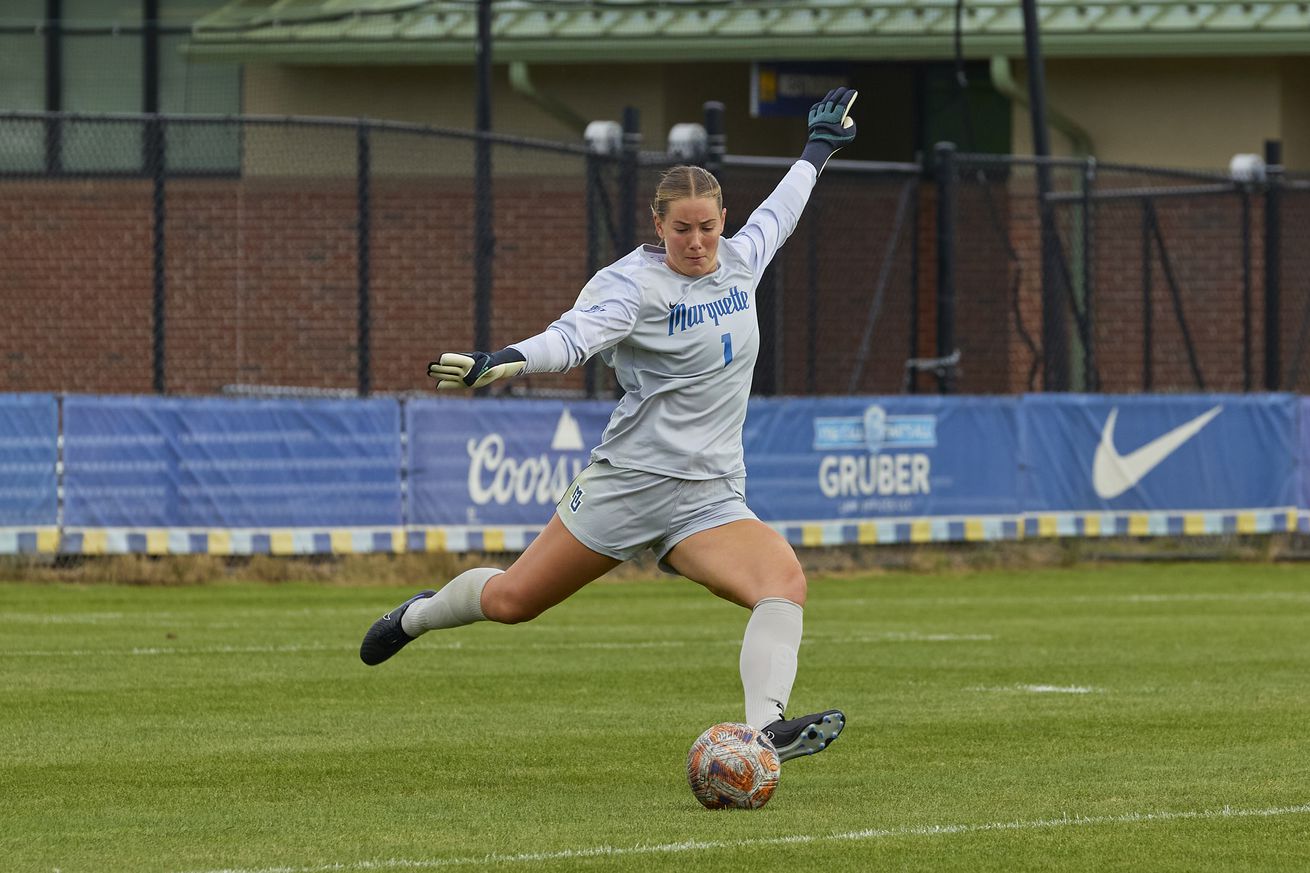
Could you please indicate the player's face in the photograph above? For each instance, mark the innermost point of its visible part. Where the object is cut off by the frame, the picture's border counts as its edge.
(691, 230)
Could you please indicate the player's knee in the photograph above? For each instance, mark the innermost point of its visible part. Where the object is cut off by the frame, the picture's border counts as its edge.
(507, 605)
(789, 583)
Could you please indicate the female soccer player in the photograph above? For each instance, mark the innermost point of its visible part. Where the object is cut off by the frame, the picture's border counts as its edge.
(677, 322)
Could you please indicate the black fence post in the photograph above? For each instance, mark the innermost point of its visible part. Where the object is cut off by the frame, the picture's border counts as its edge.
(54, 88)
(593, 195)
(1273, 261)
(1055, 328)
(946, 206)
(629, 155)
(593, 213)
(716, 145)
(628, 181)
(483, 209)
(1091, 377)
(363, 252)
(1246, 288)
(150, 56)
(814, 218)
(1147, 319)
(1055, 331)
(156, 163)
(912, 347)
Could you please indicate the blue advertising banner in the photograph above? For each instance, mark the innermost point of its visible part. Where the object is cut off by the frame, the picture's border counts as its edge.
(171, 475)
(491, 461)
(215, 462)
(1152, 452)
(869, 457)
(1305, 453)
(29, 450)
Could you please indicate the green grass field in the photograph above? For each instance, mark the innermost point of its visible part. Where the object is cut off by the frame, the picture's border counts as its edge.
(1136, 717)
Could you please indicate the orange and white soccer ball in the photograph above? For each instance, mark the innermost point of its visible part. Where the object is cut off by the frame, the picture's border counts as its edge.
(732, 766)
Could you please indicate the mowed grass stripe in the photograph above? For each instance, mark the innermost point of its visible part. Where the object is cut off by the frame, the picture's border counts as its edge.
(294, 649)
(253, 739)
(940, 830)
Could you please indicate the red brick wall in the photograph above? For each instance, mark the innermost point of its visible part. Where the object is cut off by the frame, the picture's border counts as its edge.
(262, 283)
(1202, 246)
(75, 286)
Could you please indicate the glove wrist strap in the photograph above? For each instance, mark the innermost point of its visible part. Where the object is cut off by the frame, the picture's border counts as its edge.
(505, 356)
(817, 152)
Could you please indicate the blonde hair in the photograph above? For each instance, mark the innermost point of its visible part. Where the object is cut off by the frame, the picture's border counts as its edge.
(685, 182)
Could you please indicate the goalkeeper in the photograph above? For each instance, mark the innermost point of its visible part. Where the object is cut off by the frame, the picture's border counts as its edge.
(678, 324)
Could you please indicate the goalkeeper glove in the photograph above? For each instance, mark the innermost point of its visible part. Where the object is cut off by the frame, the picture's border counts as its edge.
(475, 369)
(831, 126)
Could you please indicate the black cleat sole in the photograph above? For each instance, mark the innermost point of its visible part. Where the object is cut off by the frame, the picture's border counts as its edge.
(813, 737)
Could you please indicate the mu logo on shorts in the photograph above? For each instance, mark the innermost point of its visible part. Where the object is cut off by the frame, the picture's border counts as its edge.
(576, 500)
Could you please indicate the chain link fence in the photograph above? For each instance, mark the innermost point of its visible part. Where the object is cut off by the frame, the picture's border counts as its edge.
(200, 255)
(1136, 279)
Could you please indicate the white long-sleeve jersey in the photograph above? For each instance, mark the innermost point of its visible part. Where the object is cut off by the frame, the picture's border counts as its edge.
(683, 349)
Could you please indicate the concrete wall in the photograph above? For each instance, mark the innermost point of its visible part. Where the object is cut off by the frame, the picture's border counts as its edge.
(444, 97)
(1178, 112)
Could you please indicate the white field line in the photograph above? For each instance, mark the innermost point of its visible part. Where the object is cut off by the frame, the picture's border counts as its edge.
(1042, 689)
(151, 651)
(61, 618)
(136, 618)
(1099, 599)
(293, 649)
(1203, 598)
(866, 834)
(1057, 689)
(900, 637)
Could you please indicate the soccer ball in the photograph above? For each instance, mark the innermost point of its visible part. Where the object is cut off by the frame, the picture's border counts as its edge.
(732, 765)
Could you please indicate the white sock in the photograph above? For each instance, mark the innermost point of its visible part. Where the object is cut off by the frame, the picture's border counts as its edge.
(457, 604)
(768, 658)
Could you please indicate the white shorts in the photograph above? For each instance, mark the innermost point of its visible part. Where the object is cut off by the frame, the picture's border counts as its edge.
(620, 513)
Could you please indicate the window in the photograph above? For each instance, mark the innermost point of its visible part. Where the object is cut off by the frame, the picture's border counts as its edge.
(22, 84)
(101, 71)
(103, 56)
(188, 87)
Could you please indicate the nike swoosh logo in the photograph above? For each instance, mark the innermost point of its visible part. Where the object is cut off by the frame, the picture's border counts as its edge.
(1113, 473)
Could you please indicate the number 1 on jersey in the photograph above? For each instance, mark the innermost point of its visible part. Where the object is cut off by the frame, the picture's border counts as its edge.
(726, 339)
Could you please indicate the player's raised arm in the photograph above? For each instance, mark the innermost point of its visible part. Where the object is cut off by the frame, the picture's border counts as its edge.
(830, 127)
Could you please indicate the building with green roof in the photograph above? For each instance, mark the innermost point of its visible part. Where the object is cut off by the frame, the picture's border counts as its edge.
(1170, 83)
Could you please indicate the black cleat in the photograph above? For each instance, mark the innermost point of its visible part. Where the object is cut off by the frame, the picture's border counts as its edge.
(806, 735)
(386, 636)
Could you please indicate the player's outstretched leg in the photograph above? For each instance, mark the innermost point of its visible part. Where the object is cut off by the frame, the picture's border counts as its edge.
(807, 735)
(458, 603)
(386, 636)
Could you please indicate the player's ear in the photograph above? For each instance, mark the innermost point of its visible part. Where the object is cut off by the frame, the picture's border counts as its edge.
(723, 219)
(659, 225)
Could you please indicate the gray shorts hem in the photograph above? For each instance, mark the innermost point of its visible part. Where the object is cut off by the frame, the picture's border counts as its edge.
(730, 513)
(620, 513)
(595, 546)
